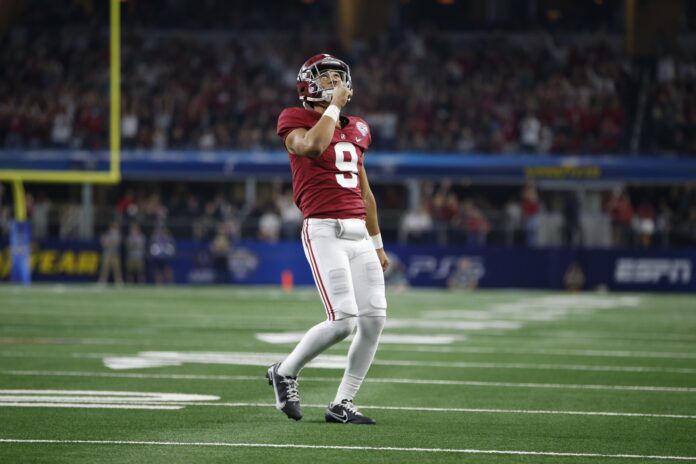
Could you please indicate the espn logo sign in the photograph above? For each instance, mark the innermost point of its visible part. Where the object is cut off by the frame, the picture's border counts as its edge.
(652, 270)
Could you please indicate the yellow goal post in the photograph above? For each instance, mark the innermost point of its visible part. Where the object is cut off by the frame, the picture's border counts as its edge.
(113, 175)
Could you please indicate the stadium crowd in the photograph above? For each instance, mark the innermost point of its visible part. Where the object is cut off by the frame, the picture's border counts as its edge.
(673, 113)
(427, 91)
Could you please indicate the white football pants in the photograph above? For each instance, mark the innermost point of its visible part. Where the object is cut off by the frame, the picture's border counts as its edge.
(347, 273)
(351, 286)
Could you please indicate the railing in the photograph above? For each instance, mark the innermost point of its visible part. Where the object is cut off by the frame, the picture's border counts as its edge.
(549, 229)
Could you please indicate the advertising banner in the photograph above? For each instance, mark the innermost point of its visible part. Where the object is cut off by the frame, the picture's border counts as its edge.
(484, 168)
(20, 234)
(252, 263)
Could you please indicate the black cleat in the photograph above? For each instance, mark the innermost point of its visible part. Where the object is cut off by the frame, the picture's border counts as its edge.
(286, 393)
(346, 412)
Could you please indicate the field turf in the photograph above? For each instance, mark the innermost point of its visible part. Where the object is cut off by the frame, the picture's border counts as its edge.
(176, 375)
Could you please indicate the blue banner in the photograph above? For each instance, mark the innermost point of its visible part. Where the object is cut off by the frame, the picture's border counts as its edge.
(482, 168)
(252, 263)
(552, 268)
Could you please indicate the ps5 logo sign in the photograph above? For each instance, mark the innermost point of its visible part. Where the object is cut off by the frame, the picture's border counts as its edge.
(652, 271)
(242, 262)
(442, 268)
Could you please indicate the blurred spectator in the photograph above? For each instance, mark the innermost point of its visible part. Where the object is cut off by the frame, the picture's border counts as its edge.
(290, 215)
(690, 226)
(129, 125)
(220, 249)
(269, 226)
(476, 224)
(513, 221)
(466, 275)
(162, 250)
(530, 133)
(70, 218)
(574, 278)
(530, 213)
(572, 231)
(621, 213)
(126, 205)
(643, 224)
(62, 131)
(111, 255)
(444, 206)
(135, 255)
(663, 224)
(417, 225)
(395, 276)
(205, 226)
(40, 216)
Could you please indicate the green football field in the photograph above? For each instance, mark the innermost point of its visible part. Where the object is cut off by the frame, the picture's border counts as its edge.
(176, 375)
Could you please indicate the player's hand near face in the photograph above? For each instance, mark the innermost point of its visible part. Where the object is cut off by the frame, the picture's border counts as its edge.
(341, 94)
(314, 141)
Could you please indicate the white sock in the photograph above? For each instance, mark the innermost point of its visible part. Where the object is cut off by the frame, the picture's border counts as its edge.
(316, 340)
(360, 356)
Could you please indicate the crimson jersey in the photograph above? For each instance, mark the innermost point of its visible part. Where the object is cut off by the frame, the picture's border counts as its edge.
(328, 186)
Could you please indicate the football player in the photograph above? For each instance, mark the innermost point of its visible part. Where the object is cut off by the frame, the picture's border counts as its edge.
(340, 234)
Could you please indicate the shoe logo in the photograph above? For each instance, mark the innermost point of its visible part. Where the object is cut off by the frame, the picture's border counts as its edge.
(343, 417)
(358, 139)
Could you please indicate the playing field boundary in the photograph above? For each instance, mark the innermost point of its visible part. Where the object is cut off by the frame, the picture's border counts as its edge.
(590, 353)
(174, 405)
(215, 359)
(466, 383)
(466, 410)
(543, 352)
(344, 447)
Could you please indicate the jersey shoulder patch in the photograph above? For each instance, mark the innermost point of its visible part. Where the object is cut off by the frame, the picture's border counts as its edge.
(363, 135)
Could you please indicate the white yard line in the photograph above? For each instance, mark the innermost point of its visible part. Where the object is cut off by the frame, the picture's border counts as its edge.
(469, 383)
(31, 354)
(467, 410)
(99, 399)
(656, 337)
(547, 352)
(91, 406)
(148, 403)
(350, 448)
(473, 383)
(603, 335)
(383, 347)
(180, 404)
(135, 375)
(338, 362)
(556, 367)
(67, 341)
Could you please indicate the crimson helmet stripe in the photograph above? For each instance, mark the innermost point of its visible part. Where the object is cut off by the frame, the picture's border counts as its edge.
(316, 58)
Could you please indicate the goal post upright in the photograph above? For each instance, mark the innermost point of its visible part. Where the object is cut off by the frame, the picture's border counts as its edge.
(113, 175)
(115, 91)
(20, 234)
